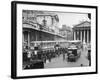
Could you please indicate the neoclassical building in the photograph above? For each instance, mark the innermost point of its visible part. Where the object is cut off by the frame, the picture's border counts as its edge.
(82, 32)
(40, 26)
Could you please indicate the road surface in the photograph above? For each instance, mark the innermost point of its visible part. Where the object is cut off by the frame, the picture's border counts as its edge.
(58, 62)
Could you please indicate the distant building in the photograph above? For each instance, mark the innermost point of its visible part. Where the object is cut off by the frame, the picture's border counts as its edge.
(66, 31)
(82, 31)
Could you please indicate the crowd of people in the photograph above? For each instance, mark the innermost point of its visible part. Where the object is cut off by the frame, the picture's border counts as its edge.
(44, 55)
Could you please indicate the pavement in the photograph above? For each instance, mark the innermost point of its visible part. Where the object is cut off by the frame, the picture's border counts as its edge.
(58, 62)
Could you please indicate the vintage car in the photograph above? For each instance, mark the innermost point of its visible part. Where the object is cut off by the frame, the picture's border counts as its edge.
(73, 53)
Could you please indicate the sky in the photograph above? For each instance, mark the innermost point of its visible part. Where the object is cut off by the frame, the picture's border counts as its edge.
(70, 19)
(67, 18)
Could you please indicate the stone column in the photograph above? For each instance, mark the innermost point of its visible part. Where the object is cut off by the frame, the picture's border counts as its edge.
(36, 35)
(81, 35)
(74, 35)
(77, 35)
(28, 39)
(87, 36)
(84, 35)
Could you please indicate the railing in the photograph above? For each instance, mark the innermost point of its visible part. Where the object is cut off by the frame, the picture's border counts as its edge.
(39, 26)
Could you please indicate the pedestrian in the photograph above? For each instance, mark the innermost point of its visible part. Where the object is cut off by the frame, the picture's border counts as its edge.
(44, 59)
(89, 57)
(81, 65)
(49, 56)
(29, 55)
(63, 56)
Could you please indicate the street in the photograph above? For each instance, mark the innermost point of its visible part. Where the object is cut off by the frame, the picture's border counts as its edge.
(58, 62)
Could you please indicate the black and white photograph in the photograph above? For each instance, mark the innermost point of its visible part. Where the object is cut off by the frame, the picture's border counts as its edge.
(53, 39)
(56, 39)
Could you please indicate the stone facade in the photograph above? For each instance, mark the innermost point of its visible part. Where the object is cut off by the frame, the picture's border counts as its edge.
(82, 32)
(40, 26)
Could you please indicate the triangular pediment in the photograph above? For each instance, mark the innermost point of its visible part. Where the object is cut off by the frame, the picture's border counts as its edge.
(84, 24)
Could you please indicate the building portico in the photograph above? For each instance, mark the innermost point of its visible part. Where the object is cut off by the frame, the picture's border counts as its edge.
(82, 32)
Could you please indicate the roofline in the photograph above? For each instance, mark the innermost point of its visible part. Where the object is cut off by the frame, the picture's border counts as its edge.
(81, 23)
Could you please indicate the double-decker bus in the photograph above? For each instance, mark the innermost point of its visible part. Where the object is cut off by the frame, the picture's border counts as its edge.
(74, 50)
